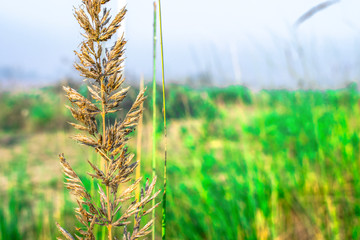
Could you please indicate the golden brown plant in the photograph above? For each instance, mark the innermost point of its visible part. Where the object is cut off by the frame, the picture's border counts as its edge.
(103, 70)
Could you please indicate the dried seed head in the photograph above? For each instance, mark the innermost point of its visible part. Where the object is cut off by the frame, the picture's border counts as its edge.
(103, 69)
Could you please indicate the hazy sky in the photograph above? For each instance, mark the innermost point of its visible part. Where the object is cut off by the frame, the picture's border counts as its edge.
(252, 42)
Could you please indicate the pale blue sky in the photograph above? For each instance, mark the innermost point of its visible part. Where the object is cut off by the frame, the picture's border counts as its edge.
(251, 42)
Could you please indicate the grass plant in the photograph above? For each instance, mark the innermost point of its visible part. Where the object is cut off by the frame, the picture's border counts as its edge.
(103, 69)
(163, 216)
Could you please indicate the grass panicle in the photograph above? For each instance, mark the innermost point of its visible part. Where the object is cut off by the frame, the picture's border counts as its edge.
(102, 67)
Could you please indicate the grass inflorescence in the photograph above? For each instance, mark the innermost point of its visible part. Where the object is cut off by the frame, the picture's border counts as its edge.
(102, 67)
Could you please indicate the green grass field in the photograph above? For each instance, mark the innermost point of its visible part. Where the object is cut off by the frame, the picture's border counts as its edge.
(241, 165)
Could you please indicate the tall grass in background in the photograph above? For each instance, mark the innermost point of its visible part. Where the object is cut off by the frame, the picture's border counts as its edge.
(266, 165)
(285, 169)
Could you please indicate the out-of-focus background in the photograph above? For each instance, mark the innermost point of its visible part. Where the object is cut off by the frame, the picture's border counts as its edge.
(263, 116)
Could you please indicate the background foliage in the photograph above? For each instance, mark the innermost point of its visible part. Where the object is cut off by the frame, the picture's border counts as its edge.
(274, 164)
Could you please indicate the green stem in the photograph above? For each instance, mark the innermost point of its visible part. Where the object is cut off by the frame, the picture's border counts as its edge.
(163, 219)
(154, 118)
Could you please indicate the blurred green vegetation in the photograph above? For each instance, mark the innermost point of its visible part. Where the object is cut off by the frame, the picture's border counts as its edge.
(275, 164)
(44, 109)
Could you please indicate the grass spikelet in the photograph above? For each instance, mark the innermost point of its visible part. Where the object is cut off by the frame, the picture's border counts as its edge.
(103, 69)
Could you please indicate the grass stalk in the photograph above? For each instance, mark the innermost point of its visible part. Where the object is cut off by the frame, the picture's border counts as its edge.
(163, 218)
(104, 71)
(154, 115)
